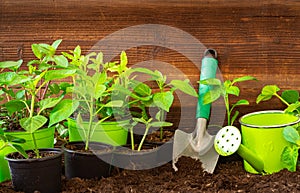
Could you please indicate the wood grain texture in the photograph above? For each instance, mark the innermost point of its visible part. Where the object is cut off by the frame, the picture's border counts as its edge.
(258, 38)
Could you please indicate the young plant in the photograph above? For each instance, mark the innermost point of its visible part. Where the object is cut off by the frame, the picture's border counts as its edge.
(219, 89)
(33, 92)
(288, 97)
(93, 89)
(143, 97)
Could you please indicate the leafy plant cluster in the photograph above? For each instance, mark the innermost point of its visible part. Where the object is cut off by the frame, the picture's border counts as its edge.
(290, 98)
(224, 90)
(32, 94)
(116, 92)
(53, 87)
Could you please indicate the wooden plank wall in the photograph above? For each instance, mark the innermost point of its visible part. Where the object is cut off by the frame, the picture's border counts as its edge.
(258, 38)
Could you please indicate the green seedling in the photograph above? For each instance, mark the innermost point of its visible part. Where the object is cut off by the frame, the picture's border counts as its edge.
(219, 89)
(33, 92)
(288, 97)
(289, 156)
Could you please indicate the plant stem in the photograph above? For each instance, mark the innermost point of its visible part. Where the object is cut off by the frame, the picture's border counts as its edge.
(286, 103)
(36, 150)
(226, 100)
(91, 109)
(132, 138)
(144, 137)
(161, 135)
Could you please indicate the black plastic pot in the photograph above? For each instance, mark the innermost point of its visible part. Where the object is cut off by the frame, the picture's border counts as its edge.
(93, 164)
(164, 151)
(42, 174)
(126, 158)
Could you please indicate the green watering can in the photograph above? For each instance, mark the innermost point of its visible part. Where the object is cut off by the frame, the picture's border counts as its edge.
(261, 142)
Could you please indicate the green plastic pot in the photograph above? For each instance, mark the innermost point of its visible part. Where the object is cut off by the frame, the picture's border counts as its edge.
(44, 138)
(111, 133)
(262, 135)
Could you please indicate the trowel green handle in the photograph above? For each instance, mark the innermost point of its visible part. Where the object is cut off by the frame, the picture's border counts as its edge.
(254, 160)
(208, 70)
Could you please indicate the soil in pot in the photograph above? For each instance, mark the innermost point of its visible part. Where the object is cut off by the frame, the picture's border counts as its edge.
(36, 174)
(94, 163)
(126, 158)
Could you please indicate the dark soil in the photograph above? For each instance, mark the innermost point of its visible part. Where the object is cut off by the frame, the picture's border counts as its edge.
(229, 176)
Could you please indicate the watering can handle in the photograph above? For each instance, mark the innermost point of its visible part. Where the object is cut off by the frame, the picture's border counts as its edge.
(208, 70)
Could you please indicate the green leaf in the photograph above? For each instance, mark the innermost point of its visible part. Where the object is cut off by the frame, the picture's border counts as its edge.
(294, 107)
(141, 89)
(14, 106)
(54, 88)
(234, 90)
(291, 135)
(56, 43)
(145, 71)
(62, 111)
(19, 149)
(36, 51)
(244, 78)
(211, 82)
(59, 74)
(123, 61)
(211, 96)
(116, 103)
(48, 103)
(12, 78)
(267, 92)
(270, 90)
(11, 64)
(99, 90)
(289, 157)
(61, 61)
(15, 139)
(20, 94)
(184, 86)
(160, 124)
(120, 88)
(233, 118)
(290, 96)
(242, 102)
(31, 124)
(163, 100)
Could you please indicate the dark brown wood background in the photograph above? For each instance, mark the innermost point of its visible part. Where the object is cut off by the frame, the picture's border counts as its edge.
(257, 38)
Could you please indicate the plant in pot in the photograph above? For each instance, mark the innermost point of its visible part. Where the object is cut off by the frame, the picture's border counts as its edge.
(290, 98)
(90, 156)
(142, 98)
(38, 102)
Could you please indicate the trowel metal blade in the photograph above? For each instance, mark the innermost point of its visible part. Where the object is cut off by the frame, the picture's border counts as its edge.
(182, 147)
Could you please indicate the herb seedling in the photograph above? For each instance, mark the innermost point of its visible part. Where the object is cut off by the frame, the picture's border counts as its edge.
(225, 89)
(289, 155)
(34, 91)
(288, 97)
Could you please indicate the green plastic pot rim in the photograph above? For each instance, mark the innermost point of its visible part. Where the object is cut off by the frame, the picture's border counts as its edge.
(267, 126)
(58, 152)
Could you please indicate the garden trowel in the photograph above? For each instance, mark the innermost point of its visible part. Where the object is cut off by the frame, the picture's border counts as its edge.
(199, 143)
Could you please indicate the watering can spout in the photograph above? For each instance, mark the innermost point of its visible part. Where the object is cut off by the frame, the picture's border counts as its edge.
(228, 141)
(254, 160)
